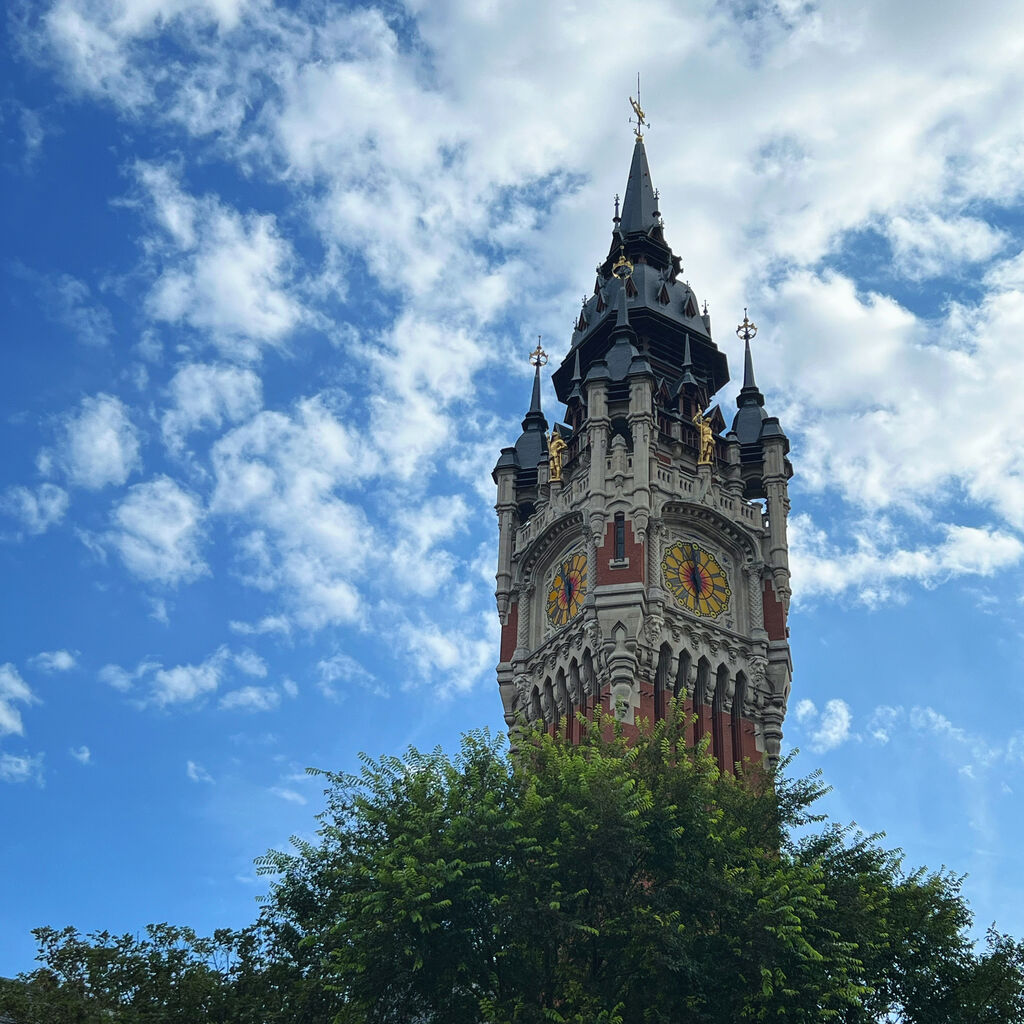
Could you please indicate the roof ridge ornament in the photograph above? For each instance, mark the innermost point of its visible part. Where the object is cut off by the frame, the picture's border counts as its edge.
(538, 357)
(746, 330)
(641, 118)
(622, 268)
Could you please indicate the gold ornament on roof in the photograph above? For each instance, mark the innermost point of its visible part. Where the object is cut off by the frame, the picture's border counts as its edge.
(746, 330)
(641, 118)
(622, 268)
(538, 357)
(556, 449)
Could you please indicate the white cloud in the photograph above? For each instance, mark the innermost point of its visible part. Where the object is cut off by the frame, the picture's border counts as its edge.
(158, 532)
(288, 794)
(268, 624)
(206, 396)
(13, 690)
(344, 669)
(828, 728)
(70, 303)
(21, 768)
(251, 698)
(188, 683)
(283, 474)
(37, 510)
(185, 683)
(54, 661)
(876, 563)
(225, 274)
(100, 445)
(196, 772)
(289, 687)
(81, 754)
(931, 245)
(883, 721)
(123, 680)
(250, 663)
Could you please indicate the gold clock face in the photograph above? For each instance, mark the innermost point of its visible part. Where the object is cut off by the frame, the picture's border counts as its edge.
(567, 588)
(694, 576)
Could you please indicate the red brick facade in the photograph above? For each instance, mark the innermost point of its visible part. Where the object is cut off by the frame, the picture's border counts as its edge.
(774, 613)
(509, 633)
(627, 570)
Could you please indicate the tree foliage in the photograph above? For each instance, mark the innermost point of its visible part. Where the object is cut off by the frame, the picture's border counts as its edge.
(606, 883)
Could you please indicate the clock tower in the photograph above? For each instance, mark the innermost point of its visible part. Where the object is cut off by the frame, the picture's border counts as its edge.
(642, 549)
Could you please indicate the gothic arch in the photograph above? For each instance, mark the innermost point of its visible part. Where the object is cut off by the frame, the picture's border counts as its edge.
(536, 715)
(700, 695)
(738, 697)
(661, 684)
(721, 736)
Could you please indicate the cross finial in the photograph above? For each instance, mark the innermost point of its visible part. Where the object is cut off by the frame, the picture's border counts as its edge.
(641, 117)
(538, 357)
(746, 330)
(617, 207)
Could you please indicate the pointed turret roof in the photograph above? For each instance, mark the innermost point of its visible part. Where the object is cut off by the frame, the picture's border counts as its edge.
(752, 422)
(662, 305)
(640, 205)
(576, 391)
(688, 378)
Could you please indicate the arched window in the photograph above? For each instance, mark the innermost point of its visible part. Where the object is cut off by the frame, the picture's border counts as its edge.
(588, 698)
(562, 710)
(551, 709)
(536, 715)
(719, 729)
(680, 689)
(661, 681)
(700, 696)
(620, 536)
(739, 694)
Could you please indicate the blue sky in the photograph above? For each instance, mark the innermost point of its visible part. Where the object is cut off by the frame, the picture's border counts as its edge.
(270, 277)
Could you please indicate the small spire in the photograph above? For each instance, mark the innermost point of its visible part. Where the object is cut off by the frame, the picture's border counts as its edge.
(576, 368)
(616, 218)
(747, 331)
(538, 358)
(687, 358)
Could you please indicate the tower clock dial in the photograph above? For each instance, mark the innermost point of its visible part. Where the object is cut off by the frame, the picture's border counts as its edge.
(567, 588)
(695, 578)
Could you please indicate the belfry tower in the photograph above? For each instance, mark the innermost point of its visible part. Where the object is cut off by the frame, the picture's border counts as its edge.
(642, 549)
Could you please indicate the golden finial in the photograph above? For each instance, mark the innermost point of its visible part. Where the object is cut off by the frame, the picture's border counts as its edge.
(746, 330)
(622, 267)
(538, 357)
(641, 118)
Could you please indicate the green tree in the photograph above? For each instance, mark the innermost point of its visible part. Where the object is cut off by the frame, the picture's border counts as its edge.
(624, 882)
(609, 882)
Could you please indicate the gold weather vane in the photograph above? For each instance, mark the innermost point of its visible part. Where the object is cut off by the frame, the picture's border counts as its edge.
(538, 357)
(641, 118)
(746, 330)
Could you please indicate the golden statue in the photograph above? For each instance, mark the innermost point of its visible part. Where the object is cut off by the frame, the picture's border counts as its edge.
(706, 444)
(556, 447)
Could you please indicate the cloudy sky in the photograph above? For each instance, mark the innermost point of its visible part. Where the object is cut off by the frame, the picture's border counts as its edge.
(270, 276)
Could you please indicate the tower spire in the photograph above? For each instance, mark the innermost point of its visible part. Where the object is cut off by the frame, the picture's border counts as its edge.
(538, 358)
(749, 393)
(639, 205)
